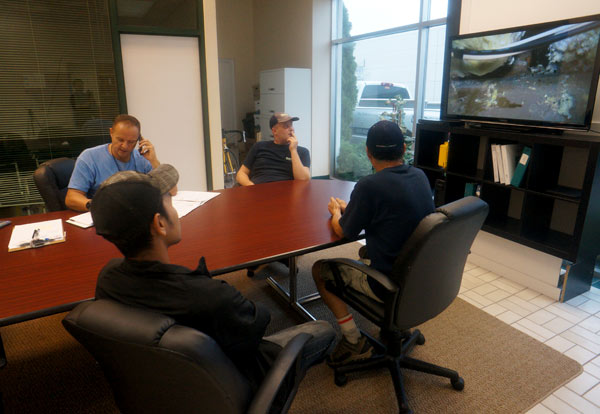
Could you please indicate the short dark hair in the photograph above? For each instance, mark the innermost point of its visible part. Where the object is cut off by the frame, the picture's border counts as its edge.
(128, 119)
(139, 239)
(385, 141)
(125, 205)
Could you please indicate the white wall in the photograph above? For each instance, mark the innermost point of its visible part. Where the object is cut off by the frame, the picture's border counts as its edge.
(277, 42)
(235, 31)
(282, 34)
(162, 83)
(271, 34)
(482, 15)
(189, 156)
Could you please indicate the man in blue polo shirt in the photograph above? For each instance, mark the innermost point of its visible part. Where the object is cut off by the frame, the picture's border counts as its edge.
(94, 165)
(388, 206)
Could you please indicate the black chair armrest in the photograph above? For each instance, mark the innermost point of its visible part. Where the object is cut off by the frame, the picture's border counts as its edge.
(385, 281)
(288, 358)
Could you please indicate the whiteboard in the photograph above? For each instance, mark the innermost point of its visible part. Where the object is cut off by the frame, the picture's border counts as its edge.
(162, 84)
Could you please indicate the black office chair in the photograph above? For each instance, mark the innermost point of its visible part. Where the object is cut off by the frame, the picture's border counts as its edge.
(52, 179)
(426, 278)
(154, 365)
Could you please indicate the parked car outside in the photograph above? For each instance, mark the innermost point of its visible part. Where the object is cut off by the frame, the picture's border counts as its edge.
(375, 98)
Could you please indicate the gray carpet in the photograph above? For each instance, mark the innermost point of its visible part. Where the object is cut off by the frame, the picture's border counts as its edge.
(505, 371)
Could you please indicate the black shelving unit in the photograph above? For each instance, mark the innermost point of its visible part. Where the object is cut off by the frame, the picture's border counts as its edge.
(556, 209)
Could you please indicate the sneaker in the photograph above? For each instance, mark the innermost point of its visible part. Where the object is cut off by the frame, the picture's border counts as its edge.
(346, 352)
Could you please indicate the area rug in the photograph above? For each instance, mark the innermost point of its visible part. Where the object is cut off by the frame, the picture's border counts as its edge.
(505, 370)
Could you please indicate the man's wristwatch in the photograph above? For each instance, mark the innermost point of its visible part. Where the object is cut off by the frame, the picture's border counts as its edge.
(88, 205)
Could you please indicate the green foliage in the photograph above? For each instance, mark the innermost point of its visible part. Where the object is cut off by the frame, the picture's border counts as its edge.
(349, 89)
(396, 116)
(352, 162)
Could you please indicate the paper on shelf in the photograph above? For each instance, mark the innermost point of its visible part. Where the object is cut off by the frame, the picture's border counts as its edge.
(82, 220)
(495, 163)
(50, 232)
(510, 155)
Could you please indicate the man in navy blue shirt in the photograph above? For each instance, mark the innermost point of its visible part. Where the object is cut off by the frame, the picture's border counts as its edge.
(277, 160)
(388, 206)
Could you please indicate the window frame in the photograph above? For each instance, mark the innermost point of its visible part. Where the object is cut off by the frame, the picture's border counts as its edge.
(422, 27)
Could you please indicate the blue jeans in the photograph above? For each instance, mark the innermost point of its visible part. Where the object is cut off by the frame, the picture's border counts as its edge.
(317, 348)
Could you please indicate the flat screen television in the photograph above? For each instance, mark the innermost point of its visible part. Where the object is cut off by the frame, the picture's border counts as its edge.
(542, 75)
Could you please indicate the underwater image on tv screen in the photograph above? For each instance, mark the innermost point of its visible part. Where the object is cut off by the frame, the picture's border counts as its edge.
(537, 75)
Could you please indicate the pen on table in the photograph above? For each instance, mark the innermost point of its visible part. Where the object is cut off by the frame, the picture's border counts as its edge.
(35, 234)
(38, 242)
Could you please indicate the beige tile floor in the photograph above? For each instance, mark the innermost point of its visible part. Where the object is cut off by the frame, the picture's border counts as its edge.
(572, 328)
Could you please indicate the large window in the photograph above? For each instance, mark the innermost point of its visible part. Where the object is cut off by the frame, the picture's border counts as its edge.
(58, 88)
(388, 57)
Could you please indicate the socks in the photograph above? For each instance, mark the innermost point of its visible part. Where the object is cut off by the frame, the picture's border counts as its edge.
(349, 329)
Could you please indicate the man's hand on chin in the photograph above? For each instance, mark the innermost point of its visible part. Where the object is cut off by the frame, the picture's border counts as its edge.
(293, 142)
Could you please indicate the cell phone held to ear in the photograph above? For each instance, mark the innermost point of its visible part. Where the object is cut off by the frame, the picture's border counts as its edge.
(142, 149)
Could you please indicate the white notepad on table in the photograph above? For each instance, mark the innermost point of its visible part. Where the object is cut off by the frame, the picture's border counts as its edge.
(186, 201)
(42, 233)
(82, 220)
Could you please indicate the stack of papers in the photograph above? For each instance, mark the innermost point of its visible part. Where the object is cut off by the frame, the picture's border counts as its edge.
(186, 201)
(43, 233)
(82, 220)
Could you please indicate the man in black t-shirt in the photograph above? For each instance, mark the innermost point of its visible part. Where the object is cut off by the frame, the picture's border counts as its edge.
(277, 160)
(388, 206)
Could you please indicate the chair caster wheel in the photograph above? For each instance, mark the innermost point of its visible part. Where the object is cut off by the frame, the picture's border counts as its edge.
(420, 339)
(458, 384)
(340, 379)
(405, 410)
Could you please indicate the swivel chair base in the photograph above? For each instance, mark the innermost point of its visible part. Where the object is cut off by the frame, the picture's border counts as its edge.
(394, 358)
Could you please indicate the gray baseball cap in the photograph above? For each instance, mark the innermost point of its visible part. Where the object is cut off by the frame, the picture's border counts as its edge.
(281, 117)
(127, 201)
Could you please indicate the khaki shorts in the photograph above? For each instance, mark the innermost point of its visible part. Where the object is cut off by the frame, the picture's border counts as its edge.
(351, 277)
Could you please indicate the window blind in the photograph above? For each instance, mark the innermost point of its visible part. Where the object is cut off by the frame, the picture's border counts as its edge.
(58, 87)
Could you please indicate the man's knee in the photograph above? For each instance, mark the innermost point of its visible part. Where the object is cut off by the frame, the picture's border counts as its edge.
(321, 331)
(322, 342)
(316, 270)
(318, 329)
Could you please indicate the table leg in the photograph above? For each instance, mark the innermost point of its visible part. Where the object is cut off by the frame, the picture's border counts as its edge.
(2, 353)
(291, 296)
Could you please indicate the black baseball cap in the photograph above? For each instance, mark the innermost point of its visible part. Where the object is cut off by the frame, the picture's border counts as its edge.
(281, 117)
(127, 201)
(385, 137)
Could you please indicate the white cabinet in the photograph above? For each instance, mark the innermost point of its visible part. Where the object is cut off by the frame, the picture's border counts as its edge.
(286, 90)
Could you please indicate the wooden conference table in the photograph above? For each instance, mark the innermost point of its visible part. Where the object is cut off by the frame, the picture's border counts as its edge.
(243, 226)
